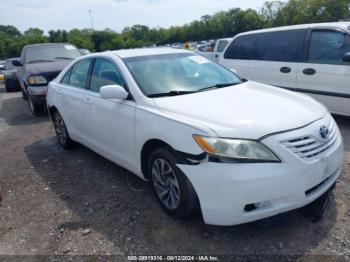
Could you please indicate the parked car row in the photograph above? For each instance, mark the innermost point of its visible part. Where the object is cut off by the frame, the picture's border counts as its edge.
(209, 140)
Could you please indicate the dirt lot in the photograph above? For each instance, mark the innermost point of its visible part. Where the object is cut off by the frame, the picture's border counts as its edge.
(58, 202)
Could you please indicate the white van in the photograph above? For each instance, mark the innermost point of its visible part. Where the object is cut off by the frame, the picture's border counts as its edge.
(313, 59)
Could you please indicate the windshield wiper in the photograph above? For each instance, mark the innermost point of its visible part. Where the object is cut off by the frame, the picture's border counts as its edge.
(39, 61)
(172, 93)
(217, 86)
(62, 57)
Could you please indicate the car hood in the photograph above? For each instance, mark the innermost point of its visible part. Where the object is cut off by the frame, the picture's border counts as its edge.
(46, 67)
(249, 110)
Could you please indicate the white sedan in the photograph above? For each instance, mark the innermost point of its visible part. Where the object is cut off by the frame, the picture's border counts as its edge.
(237, 151)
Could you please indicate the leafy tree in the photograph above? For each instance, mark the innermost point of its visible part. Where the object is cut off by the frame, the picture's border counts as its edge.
(221, 24)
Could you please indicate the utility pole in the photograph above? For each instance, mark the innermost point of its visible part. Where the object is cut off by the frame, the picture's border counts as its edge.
(92, 23)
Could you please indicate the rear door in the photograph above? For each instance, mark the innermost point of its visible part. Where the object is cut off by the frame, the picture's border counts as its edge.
(276, 56)
(324, 75)
(72, 90)
(110, 123)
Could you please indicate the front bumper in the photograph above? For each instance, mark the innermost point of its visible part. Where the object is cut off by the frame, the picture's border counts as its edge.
(225, 190)
(37, 90)
(38, 94)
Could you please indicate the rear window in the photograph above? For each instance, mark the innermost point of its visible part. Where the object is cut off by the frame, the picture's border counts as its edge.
(240, 48)
(286, 46)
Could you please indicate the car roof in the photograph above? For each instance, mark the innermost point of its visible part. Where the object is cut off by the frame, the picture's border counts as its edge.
(125, 53)
(11, 59)
(48, 44)
(226, 39)
(342, 25)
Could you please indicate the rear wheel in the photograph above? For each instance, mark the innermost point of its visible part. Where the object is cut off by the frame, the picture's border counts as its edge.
(61, 131)
(172, 188)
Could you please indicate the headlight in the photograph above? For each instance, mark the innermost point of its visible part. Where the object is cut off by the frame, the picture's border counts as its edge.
(37, 80)
(236, 149)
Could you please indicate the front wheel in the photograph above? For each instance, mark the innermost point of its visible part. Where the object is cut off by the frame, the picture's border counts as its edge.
(172, 188)
(35, 108)
(24, 95)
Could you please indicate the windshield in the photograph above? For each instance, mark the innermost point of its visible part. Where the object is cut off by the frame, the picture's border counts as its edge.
(50, 53)
(178, 73)
(8, 65)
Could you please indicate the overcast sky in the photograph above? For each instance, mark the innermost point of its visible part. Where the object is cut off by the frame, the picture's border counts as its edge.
(113, 14)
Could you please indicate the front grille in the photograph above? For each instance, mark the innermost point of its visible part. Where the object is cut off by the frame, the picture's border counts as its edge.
(309, 147)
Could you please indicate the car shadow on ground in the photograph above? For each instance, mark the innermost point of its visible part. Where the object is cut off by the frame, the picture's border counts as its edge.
(15, 112)
(114, 202)
(344, 126)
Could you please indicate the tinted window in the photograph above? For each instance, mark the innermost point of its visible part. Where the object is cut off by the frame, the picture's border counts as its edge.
(286, 46)
(328, 47)
(104, 73)
(240, 48)
(221, 46)
(65, 79)
(79, 74)
(50, 53)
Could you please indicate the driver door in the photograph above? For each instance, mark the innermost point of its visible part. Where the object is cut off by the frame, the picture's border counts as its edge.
(324, 75)
(109, 123)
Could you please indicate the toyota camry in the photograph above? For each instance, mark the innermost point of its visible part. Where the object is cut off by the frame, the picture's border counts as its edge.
(208, 141)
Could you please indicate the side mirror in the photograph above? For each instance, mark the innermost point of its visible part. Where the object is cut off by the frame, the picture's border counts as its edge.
(113, 92)
(346, 57)
(16, 62)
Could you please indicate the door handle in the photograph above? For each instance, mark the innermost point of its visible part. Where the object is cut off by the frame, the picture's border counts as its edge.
(285, 70)
(309, 71)
(216, 56)
(87, 101)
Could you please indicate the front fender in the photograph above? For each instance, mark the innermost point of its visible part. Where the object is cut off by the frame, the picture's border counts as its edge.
(152, 125)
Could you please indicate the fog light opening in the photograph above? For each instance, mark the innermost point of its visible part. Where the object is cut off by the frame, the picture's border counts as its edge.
(256, 206)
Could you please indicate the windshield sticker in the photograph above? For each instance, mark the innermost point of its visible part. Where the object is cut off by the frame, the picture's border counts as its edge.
(199, 59)
(69, 47)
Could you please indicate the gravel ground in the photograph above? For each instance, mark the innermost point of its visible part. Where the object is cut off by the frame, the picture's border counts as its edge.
(57, 202)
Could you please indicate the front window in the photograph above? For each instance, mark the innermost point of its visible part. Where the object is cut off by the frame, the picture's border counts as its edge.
(50, 53)
(178, 73)
(328, 47)
(104, 73)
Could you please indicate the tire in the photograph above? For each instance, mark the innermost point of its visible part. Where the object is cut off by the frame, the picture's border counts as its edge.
(34, 107)
(24, 95)
(8, 89)
(61, 131)
(173, 190)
